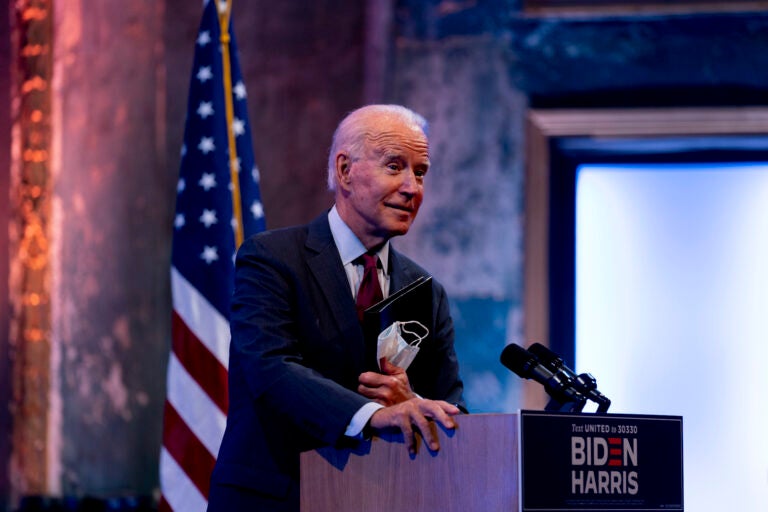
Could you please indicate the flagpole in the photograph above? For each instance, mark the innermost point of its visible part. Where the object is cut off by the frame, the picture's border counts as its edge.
(224, 10)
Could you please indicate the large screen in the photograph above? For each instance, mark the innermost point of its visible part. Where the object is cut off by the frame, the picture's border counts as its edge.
(672, 312)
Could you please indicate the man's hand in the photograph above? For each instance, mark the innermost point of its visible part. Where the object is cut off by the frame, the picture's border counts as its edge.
(390, 388)
(416, 413)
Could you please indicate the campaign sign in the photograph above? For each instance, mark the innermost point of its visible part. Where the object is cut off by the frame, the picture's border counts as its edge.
(600, 462)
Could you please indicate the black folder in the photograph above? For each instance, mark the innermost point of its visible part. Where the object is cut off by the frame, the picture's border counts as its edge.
(412, 302)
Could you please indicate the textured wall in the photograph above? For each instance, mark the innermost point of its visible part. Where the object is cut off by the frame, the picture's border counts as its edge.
(675, 59)
(122, 77)
(5, 163)
(113, 200)
(304, 72)
(469, 231)
(451, 66)
(473, 69)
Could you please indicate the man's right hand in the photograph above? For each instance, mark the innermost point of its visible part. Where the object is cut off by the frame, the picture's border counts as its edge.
(418, 413)
(387, 388)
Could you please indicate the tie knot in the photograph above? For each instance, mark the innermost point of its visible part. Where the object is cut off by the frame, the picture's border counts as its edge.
(369, 260)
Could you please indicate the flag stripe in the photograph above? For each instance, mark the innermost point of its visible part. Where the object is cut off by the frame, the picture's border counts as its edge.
(200, 317)
(192, 404)
(200, 363)
(187, 450)
(178, 490)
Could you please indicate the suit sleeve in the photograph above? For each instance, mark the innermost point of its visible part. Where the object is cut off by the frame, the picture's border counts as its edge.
(277, 351)
(448, 383)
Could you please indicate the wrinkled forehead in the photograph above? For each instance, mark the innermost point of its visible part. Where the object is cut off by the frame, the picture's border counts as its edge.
(396, 135)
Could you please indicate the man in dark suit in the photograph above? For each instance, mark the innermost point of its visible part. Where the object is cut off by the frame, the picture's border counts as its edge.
(298, 377)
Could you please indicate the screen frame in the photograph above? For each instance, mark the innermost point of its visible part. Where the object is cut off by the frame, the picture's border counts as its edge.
(558, 141)
(567, 155)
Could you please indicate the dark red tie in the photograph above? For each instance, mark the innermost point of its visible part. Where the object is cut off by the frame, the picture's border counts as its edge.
(369, 292)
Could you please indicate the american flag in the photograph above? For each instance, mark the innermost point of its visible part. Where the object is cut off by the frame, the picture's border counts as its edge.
(202, 266)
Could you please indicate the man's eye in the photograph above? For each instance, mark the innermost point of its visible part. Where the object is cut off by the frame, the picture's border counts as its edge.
(393, 167)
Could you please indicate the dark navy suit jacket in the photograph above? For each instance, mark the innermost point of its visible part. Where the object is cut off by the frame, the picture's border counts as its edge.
(296, 353)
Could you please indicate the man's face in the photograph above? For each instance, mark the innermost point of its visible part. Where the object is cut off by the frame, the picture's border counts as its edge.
(382, 188)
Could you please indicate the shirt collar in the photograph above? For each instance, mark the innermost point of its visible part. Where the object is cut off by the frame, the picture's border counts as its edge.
(349, 246)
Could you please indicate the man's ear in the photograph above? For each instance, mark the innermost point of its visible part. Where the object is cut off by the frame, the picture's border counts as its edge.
(343, 167)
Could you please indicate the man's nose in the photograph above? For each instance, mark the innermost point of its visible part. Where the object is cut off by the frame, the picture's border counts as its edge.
(410, 185)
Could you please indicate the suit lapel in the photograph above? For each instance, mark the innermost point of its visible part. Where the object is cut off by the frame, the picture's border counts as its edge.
(400, 274)
(324, 263)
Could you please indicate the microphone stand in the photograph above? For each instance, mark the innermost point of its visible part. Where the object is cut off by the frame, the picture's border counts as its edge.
(568, 406)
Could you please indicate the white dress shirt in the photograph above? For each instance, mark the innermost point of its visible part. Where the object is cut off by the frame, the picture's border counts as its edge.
(350, 248)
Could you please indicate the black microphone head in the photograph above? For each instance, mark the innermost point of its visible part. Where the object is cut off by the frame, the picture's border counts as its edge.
(546, 356)
(527, 365)
(586, 381)
(519, 360)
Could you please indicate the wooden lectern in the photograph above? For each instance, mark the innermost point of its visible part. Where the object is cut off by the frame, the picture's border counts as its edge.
(531, 461)
(475, 469)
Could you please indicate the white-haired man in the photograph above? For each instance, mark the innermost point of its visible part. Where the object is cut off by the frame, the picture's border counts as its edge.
(299, 376)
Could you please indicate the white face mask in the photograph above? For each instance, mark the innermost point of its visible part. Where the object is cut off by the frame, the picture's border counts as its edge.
(393, 345)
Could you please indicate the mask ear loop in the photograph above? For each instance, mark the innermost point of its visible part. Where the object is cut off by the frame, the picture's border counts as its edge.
(419, 338)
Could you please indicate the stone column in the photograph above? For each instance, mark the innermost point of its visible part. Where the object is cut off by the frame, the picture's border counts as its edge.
(30, 333)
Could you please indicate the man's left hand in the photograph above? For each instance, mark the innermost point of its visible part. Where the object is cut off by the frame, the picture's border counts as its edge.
(387, 388)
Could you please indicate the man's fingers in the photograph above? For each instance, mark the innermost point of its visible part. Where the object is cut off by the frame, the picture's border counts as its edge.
(380, 395)
(389, 368)
(422, 418)
(440, 411)
(417, 414)
(428, 431)
(370, 379)
(408, 435)
(389, 389)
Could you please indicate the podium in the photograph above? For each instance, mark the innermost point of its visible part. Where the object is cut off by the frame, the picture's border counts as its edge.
(531, 461)
(475, 469)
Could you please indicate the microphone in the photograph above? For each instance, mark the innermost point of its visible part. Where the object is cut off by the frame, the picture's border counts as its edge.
(528, 366)
(584, 382)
